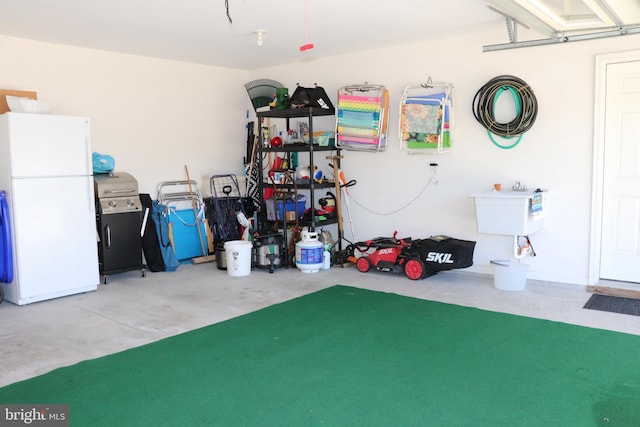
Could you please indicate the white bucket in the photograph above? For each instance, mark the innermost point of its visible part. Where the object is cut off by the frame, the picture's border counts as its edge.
(509, 275)
(238, 254)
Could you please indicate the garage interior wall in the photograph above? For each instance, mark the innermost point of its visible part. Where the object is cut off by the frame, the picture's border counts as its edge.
(154, 116)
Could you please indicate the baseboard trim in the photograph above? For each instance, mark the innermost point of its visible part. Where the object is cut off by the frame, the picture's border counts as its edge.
(616, 292)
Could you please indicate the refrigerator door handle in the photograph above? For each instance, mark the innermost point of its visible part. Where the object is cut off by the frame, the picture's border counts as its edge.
(107, 232)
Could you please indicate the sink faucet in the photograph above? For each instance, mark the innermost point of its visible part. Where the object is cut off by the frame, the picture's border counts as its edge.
(519, 187)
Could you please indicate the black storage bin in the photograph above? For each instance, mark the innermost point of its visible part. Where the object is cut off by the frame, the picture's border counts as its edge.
(441, 253)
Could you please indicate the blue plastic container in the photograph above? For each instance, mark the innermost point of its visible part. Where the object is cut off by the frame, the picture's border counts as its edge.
(185, 234)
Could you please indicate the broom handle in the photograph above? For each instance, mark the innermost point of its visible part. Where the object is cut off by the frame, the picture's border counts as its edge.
(195, 212)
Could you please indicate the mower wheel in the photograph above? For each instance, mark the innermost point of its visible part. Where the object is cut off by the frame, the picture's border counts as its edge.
(363, 264)
(414, 269)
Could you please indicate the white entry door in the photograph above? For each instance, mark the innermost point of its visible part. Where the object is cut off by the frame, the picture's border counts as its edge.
(620, 244)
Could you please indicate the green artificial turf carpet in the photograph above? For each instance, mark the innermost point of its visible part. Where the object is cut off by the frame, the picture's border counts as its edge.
(351, 357)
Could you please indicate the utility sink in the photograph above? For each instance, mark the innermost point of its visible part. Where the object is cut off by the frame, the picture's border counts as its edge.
(513, 213)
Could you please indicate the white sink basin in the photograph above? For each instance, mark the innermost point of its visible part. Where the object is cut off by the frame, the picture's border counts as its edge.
(507, 212)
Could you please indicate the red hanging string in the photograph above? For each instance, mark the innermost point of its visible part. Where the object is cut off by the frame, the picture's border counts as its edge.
(307, 45)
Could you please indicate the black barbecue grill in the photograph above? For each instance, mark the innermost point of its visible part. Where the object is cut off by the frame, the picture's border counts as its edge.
(119, 222)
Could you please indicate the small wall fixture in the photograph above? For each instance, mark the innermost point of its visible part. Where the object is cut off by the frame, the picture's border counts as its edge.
(259, 34)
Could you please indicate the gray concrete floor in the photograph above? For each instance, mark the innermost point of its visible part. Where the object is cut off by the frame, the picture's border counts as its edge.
(132, 311)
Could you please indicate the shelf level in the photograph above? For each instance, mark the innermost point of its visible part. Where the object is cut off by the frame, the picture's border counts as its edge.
(297, 112)
(297, 148)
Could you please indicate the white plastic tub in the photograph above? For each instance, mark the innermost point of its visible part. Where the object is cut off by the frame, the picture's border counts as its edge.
(507, 212)
(509, 275)
(239, 254)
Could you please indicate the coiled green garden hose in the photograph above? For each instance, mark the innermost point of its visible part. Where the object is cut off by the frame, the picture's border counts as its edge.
(526, 106)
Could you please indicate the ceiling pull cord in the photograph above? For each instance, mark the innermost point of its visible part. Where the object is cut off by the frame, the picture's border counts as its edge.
(307, 45)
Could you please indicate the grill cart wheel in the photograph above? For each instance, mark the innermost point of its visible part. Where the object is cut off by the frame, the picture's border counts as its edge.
(363, 264)
(414, 269)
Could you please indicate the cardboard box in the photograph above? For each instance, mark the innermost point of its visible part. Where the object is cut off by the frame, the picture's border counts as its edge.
(322, 138)
(4, 108)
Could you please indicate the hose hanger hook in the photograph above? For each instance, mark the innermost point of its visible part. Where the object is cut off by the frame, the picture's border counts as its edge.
(366, 87)
(428, 84)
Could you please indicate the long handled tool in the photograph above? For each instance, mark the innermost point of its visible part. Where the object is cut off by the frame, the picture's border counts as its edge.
(345, 187)
(206, 257)
(207, 228)
(336, 180)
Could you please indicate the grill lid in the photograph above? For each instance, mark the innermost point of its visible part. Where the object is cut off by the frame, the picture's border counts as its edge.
(115, 184)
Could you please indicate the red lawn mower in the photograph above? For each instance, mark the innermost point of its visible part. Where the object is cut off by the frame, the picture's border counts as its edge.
(416, 258)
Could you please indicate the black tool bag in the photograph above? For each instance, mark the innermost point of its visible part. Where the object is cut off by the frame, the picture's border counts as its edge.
(150, 242)
(441, 253)
(311, 97)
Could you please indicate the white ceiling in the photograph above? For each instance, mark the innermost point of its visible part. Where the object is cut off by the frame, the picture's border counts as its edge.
(554, 17)
(199, 31)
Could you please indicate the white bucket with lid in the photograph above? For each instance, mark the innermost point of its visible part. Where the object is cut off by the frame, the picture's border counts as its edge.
(239, 254)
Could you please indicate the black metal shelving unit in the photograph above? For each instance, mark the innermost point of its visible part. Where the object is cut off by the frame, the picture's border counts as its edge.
(287, 149)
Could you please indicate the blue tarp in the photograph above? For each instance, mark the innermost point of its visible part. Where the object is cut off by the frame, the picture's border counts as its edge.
(6, 248)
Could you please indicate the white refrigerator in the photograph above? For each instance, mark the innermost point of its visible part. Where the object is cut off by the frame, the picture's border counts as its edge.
(46, 171)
